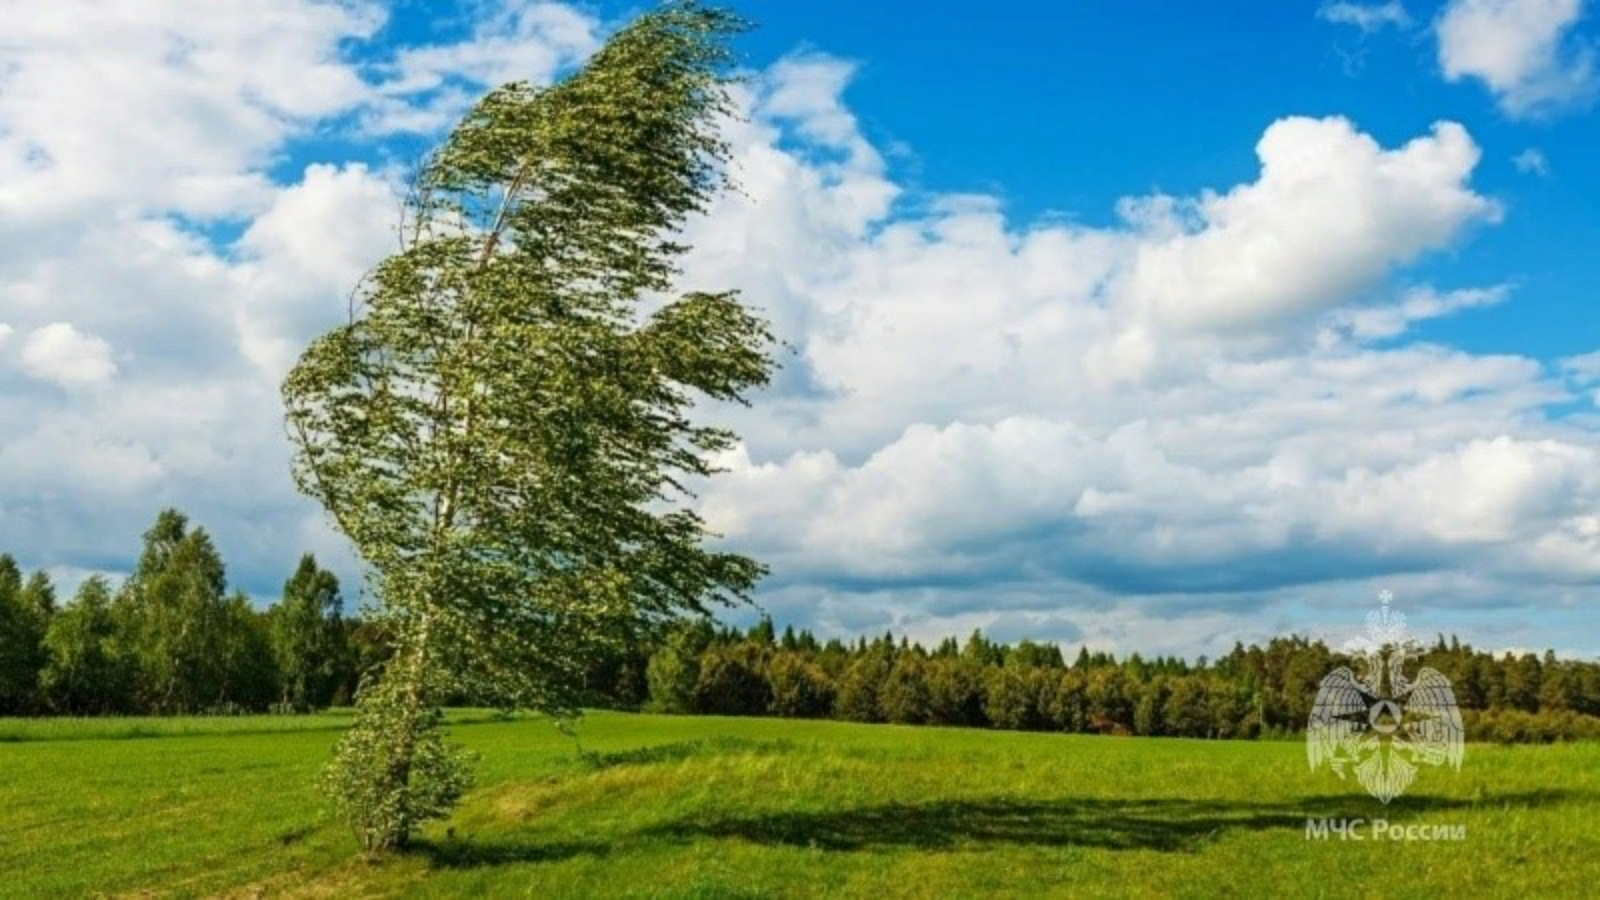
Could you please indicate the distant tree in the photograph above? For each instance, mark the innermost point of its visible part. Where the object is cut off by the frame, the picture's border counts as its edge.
(733, 681)
(1013, 697)
(981, 650)
(23, 620)
(955, 691)
(762, 632)
(674, 669)
(1186, 711)
(1149, 707)
(85, 673)
(1523, 677)
(903, 698)
(38, 596)
(1028, 653)
(857, 696)
(1229, 706)
(307, 636)
(250, 678)
(1067, 707)
(1109, 697)
(800, 688)
(172, 610)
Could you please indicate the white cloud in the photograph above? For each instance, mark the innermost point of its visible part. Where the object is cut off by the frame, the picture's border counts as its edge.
(164, 102)
(1420, 304)
(311, 244)
(1369, 17)
(62, 354)
(1532, 162)
(426, 88)
(1331, 214)
(1522, 50)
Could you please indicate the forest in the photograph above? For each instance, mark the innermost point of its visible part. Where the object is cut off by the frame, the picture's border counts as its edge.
(171, 639)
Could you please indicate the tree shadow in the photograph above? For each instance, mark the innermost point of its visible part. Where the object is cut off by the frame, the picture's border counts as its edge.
(1170, 825)
(678, 751)
(463, 853)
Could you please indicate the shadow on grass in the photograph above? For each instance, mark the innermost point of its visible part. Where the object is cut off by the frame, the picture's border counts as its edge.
(1116, 824)
(682, 750)
(460, 853)
(1170, 825)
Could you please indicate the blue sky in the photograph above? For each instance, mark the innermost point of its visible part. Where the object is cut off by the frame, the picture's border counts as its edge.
(1136, 325)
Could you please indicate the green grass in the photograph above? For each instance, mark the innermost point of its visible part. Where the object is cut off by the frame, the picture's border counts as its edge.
(705, 807)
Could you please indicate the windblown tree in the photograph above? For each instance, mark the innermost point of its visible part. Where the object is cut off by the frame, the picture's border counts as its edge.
(503, 428)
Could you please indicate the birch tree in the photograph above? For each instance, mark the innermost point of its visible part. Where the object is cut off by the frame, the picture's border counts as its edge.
(504, 428)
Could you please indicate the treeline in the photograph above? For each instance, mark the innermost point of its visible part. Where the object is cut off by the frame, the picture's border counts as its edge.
(1251, 692)
(172, 639)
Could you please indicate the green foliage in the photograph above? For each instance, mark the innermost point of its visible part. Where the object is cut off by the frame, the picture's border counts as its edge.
(24, 616)
(173, 619)
(857, 697)
(308, 639)
(249, 671)
(86, 672)
(903, 697)
(800, 688)
(733, 680)
(393, 770)
(1067, 704)
(672, 674)
(1248, 693)
(500, 429)
(955, 691)
(1014, 697)
(169, 640)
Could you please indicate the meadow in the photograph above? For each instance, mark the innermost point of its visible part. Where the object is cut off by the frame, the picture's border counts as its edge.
(652, 806)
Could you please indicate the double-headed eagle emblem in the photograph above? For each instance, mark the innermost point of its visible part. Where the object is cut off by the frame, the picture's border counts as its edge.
(1381, 724)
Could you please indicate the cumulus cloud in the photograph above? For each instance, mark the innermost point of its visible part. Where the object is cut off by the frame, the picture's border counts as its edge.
(1524, 51)
(1331, 214)
(312, 243)
(164, 103)
(62, 354)
(1369, 17)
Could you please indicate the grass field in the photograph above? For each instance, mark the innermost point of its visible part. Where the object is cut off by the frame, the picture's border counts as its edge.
(704, 807)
